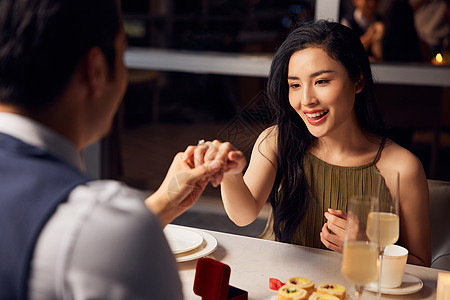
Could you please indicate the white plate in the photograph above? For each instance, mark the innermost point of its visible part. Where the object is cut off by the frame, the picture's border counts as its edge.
(208, 246)
(411, 284)
(182, 240)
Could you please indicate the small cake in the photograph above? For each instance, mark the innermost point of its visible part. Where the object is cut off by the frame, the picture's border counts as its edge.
(321, 296)
(332, 289)
(291, 292)
(301, 282)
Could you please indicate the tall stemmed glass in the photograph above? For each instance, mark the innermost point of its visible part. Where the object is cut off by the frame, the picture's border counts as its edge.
(386, 189)
(361, 250)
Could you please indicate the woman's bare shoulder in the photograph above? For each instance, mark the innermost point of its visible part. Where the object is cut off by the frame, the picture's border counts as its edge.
(266, 143)
(271, 131)
(397, 157)
(268, 137)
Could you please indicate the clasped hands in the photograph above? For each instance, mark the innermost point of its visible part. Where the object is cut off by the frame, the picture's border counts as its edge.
(189, 174)
(222, 155)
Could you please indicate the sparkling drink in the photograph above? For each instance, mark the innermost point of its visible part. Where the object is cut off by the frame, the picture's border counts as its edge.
(389, 227)
(359, 262)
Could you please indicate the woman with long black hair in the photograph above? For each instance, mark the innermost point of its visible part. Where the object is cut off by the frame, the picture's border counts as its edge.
(327, 140)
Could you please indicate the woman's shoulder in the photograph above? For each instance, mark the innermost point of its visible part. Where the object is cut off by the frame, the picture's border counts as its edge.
(397, 157)
(268, 136)
(267, 141)
(271, 131)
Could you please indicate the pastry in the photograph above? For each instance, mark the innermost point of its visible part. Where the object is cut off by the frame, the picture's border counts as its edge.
(332, 289)
(321, 296)
(301, 282)
(291, 292)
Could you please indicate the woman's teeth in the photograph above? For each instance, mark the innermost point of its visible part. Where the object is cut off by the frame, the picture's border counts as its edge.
(317, 115)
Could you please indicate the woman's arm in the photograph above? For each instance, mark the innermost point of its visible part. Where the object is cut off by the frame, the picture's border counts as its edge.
(414, 204)
(415, 232)
(245, 196)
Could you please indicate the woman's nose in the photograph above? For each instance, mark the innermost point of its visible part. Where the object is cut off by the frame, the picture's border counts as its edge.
(308, 97)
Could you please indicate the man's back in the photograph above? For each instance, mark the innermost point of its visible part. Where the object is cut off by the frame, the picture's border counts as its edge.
(34, 183)
(103, 244)
(85, 239)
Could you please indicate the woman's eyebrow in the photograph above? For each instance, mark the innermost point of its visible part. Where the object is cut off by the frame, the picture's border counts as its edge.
(321, 72)
(315, 74)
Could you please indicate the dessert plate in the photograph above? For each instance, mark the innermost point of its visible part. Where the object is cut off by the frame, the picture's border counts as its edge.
(411, 284)
(275, 297)
(208, 246)
(181, 239)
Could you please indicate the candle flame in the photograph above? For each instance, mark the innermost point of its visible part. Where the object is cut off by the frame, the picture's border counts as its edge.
(439, 58)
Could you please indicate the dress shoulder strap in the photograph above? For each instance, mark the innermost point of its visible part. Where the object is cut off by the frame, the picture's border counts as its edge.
(380, 149)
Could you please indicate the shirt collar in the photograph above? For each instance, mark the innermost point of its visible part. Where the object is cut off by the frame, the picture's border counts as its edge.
(38, 135)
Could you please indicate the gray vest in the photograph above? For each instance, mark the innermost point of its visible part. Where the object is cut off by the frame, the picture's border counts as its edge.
(32, 184)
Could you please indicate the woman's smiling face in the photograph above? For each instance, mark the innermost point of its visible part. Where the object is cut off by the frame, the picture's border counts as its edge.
(321, 91)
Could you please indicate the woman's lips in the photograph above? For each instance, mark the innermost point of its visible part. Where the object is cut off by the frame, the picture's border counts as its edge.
(315, 117)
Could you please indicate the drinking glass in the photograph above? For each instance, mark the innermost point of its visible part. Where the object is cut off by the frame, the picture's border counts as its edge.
(361, 249)
(385, 186)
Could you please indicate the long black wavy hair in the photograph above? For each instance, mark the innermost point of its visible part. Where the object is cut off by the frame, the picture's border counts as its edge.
(294, 139)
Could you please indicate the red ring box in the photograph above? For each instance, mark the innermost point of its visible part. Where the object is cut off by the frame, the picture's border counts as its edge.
(212, 281)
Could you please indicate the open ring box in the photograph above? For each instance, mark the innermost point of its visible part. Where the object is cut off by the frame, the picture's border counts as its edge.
(212, 281)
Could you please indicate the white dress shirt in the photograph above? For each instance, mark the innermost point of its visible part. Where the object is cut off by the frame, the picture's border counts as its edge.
(103, 243)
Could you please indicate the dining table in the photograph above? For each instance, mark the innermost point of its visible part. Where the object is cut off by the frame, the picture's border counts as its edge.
(253, 261)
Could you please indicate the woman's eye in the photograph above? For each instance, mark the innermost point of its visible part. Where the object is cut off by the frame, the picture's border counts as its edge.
(322, 81)
(294, 85)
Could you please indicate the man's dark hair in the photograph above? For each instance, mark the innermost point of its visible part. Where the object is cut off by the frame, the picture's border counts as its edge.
(42, 41)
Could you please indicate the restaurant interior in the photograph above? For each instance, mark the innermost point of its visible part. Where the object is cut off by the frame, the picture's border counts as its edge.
(197, 70)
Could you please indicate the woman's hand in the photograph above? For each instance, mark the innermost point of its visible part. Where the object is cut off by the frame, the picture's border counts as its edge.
(231, 160)
(333, 231)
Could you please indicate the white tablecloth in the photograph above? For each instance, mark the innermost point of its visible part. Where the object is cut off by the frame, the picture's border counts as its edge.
(253, 261)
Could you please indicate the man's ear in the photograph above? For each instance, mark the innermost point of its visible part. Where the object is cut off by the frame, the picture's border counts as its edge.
(96, 71)
(359, 84)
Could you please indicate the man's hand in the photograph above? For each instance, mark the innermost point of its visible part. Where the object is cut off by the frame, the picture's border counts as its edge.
(181, 188)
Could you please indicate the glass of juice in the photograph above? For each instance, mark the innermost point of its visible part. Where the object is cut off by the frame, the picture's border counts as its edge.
(361, 249)
(385, 186)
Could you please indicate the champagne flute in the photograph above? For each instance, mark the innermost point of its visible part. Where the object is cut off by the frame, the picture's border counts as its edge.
(361, 250)
(386, 189)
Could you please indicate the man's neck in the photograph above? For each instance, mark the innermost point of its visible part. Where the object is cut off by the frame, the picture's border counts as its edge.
(62, 123)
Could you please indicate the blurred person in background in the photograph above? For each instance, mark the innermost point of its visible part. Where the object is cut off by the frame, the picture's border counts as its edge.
(366, 22)
(433, 24)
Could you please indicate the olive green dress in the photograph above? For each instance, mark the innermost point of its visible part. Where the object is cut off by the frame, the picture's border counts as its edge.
(330, 186)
